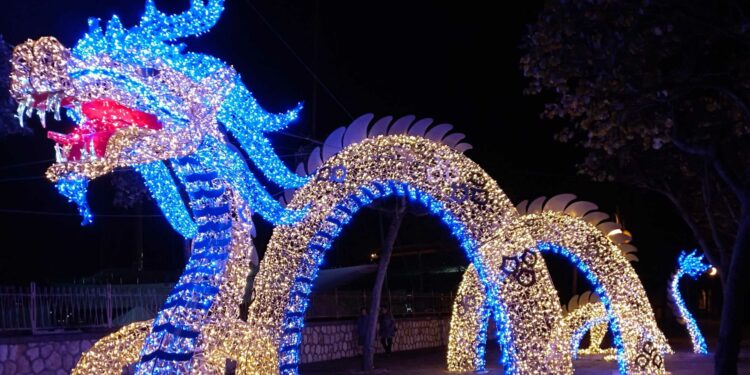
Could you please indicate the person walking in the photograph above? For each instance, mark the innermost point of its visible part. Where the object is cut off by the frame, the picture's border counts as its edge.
(387, 329)
(362, 326)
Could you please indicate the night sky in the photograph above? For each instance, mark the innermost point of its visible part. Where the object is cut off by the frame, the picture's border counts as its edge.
(454, 63)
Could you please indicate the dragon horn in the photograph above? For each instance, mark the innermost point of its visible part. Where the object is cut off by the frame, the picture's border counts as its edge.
(195, 21)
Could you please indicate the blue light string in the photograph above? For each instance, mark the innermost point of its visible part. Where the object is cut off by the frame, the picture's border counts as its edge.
(165, 192)
(577, 336)
(231, 167)
(74, 188)
(692, 265)
(170, 345)
(614, 321)
(322, 241)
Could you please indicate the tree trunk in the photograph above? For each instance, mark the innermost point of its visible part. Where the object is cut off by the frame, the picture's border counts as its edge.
(368, 360)
(735, 291)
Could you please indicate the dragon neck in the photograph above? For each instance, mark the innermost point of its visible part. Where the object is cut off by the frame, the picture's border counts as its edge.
(212, 284)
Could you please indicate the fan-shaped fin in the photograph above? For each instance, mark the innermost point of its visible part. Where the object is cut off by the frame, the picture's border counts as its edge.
(620, 238)
(573, 303)
(401, 125)
(631, 257)
(314, 161)
(288, 195)
(595, 217)
(438, 132)
(300, 171)
(380, 127)
(357, 131)
(521, 207)
(609, 227)
(594, 298)
(627, 248)
(584, 298)
(333, 144)
(536, 205)
(558, 202)
(580, 208)
(452, 139)
(420, 127)
(463, 147)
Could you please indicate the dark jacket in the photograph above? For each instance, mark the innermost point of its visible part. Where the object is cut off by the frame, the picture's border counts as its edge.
(362, 328)
(387, 325)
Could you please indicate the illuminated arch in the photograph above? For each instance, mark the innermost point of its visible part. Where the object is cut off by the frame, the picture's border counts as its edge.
(581, 234)
(585, 313)
(453, 188)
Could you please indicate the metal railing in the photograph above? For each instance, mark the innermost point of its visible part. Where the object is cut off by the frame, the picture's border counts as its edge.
(52, 308)
(41, 309)
(346, 304)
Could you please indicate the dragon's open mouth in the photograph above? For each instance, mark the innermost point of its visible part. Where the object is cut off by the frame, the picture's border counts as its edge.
(99, 120)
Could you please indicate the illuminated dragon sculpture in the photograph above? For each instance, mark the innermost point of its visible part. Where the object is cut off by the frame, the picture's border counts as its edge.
(140, 101)
(693, 265)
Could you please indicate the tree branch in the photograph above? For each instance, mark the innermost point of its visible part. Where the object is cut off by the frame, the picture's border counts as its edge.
(707, 204)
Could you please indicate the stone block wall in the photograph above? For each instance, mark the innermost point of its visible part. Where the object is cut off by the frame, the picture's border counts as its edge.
(49, 357)
(325, 341)
(321, 341)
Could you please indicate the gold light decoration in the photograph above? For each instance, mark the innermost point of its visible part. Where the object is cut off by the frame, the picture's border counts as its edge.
(580, 233)
(585, 313)
(112, 353)
(466, 198)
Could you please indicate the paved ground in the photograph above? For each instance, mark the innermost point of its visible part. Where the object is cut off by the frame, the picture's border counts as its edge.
(432, 361)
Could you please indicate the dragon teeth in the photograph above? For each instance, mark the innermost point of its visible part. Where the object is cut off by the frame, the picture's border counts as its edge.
(19, 113)
(42, 117)
(60, 155)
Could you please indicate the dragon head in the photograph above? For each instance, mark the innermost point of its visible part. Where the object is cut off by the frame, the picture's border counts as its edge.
(692, 264)
(134, 96)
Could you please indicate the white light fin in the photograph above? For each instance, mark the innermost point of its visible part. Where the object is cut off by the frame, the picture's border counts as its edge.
(420, 127)
(559, 202)
(521, 207)
(580, 208)
(401, 125)
(596, 217)
(380, 127)
(314, 161)
(536, 205)
(357, 131)
(438, 132)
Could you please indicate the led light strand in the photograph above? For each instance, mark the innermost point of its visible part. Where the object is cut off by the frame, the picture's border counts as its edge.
(692, 265)
(470, 203)
(163, 189)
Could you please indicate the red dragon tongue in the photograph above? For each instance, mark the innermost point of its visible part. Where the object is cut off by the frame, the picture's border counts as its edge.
(109, 115)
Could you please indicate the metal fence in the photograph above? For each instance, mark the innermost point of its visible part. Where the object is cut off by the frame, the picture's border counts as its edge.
(51, 308)
(345, 304)
(78, 307)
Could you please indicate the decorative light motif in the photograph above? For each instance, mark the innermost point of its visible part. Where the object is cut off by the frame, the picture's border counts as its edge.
(588, 317)
(483, 221)
(638, 341)
(468, 338)
(163, 189)
(693, 265)
(140, 102)
(74, 188)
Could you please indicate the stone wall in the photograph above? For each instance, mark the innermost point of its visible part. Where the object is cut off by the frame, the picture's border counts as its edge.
(321, 341)
(325, 341)
(49, 356)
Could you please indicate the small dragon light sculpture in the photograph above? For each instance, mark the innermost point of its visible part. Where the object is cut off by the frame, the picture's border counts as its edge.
(693, 265)
(139, 100)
